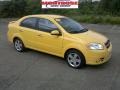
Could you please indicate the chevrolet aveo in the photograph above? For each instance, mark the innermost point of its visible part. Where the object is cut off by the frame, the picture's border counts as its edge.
(60, 36)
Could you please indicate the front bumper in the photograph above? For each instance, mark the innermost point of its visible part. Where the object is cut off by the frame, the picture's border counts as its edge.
(96, 57)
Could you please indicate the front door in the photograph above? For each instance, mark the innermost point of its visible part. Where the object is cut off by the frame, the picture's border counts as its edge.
(49, 43)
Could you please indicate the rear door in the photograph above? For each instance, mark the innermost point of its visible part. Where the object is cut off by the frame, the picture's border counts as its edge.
(29, 33)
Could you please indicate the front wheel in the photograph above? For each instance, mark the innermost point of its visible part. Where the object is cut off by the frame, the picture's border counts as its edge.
(19, 46)
(75, 59)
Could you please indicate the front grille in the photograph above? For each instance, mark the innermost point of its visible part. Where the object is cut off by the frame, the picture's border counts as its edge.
(107, 44)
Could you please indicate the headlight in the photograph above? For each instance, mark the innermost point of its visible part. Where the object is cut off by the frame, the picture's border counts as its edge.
(96, 46)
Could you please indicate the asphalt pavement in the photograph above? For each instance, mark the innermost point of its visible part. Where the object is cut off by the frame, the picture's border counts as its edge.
(32, 70)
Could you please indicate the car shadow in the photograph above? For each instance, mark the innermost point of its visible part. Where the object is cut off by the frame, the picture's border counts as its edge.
(60, 60)
(45, 55)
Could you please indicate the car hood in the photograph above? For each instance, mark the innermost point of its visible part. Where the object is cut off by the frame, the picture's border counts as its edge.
(90, 36)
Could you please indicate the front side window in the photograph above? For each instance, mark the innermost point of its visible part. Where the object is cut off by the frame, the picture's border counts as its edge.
(29, 23)
(70, 25)
(46, 25)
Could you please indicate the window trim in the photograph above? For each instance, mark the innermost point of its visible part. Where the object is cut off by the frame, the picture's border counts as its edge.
(29, 27)
(36, 25)
(46, 31)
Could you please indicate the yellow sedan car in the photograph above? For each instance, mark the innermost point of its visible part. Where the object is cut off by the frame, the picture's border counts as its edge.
(60, 36)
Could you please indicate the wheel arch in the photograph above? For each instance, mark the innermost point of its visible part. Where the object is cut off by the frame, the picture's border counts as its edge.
(83, 60)
(15, 38)
(76, 50)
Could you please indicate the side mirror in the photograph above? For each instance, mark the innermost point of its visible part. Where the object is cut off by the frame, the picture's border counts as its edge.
(55, 32)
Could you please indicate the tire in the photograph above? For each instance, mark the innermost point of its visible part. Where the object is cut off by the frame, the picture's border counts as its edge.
(18, 45)
(75, 59)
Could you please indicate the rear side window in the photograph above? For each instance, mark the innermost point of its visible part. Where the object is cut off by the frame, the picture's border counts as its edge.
(29, 23)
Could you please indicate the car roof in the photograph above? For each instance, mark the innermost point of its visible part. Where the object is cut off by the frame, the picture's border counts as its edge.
(47, 16)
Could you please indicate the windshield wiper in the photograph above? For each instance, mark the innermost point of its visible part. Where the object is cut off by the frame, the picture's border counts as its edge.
(82, 30)
(85, 29)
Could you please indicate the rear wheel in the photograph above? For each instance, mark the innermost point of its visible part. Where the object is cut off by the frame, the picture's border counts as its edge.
(75, 59)
(18, 44)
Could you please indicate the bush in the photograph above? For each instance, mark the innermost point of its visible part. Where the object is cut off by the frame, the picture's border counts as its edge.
(15, 8)
(104, 12)
(97, 19)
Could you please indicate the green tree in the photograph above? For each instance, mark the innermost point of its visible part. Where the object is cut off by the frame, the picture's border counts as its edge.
(33, 7)
(112, 6)
(14, 8)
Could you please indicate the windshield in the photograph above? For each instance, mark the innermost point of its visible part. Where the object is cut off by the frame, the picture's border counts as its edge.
(70, 25)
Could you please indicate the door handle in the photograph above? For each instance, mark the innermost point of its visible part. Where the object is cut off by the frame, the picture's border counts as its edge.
(21, 30)
(40, 35)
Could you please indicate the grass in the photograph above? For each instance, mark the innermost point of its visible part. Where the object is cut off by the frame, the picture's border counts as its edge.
(97, 19)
